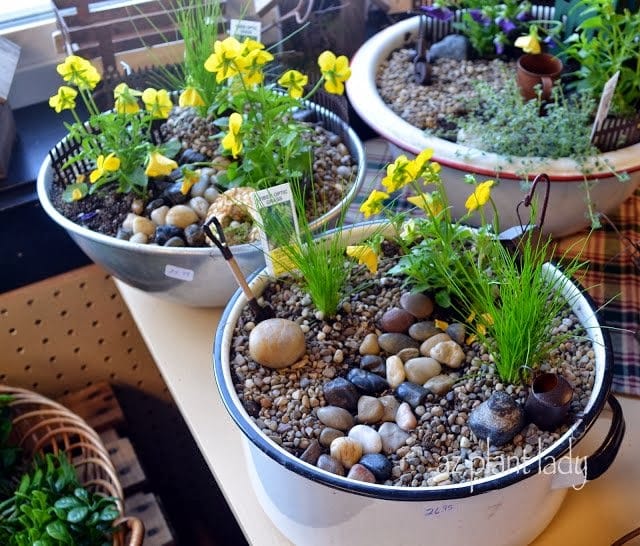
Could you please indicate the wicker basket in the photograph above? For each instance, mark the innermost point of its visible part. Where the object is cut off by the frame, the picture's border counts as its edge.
(41, 425)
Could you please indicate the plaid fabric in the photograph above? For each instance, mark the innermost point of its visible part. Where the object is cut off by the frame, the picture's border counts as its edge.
(612, 278)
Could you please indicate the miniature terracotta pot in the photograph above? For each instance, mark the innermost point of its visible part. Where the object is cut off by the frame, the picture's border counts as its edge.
(549, 400)
(541, 69)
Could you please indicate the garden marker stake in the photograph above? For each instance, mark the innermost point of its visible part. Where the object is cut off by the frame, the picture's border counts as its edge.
(259, 312)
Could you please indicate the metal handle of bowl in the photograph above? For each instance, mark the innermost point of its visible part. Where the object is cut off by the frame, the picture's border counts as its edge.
(597, 464)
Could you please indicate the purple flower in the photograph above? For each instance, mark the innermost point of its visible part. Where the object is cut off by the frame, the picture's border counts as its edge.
(437, 12)
(524, 16)
(499, 45)
(550, 41)
(506, 25)
(480, 17)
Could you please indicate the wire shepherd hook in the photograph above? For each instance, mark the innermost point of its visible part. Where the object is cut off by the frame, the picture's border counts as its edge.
(529, 198)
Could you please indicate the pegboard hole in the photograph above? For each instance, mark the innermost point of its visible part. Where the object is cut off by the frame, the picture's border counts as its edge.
(113, 296)
(129, 350)
(27, 367)
(89, 304)
(119, 315)
(30, 302)
(125, 333)
(112, 375)
(76, 350)
(4, 312)
(13, 331)
(56, 293)
(70, 332)
(100, 341)
(20, 350)
(83, 367)
(45, 340)
(82, 284)
(63, 313)
(52, 359)
(59, 376)
(37, 322)
(134, 367)
(35, 385)
(95, 323)
(107, 358)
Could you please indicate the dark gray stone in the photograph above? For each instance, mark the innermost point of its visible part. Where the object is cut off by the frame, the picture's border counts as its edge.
(373, 364)
(173, 194)
(166, 232)
(411, 393)
(497, 420)
(453, 46)
(367, 382)
(328, 463)
(342, 393)
(194, 234)
(392, 343)
(378, 464)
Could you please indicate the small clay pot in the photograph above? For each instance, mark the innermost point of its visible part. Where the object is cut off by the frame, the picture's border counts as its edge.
(549, 400)
(539, 69)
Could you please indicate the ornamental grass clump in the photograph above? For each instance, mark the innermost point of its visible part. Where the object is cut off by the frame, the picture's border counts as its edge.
(508, 301)
(267, 143)
(117, 143)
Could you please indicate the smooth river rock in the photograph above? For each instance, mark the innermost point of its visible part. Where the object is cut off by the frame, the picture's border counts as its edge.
(419, 305)
(393, 342)
(342, 393)
(420, 370)
(448, 353)
(396, 320)
(346, 450)
(497, 420)
(276, 343)
(335, 417)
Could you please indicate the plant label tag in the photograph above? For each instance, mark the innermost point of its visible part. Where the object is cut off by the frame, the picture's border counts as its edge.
(605, 103)
(179, 273)
(242, 28)
(275, 215)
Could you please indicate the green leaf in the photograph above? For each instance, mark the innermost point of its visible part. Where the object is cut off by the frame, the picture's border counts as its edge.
(109, 513)
(67, 502)
(76, 515)
(170, 148)
(81, 493)
(58, 530)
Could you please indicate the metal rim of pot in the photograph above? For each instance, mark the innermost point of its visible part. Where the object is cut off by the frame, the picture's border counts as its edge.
(593, 466)
(330, 121)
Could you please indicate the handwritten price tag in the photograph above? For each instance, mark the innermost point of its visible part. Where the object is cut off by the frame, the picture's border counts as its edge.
(435, 511)
(179, 273)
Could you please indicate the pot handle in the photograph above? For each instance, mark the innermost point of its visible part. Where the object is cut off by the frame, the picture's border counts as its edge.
(597, 464)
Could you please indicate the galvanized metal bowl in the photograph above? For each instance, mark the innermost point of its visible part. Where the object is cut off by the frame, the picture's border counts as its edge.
(197, 277)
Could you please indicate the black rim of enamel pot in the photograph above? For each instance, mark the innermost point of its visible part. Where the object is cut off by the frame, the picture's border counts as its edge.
(593, 466)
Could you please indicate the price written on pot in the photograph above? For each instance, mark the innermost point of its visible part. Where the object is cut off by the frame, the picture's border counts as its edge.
(435, 511)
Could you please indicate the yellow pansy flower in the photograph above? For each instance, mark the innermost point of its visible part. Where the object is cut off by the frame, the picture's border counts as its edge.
(126, 101)
(480, 195)
(428, 202)
(79, 72)
(158, 102)
(421, 159)
(441, 324)
(335, 70)
(110, 163)
(365, 256)
(252, 73)
(294, 82)
(374, 203)
(399, 174)
(64, 99)
(529, 44)
(231, 140)
(190, 97)
(159, 165)
(189, 178)
(226, 60)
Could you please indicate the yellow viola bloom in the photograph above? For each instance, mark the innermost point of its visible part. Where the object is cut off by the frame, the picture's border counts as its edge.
(226, 60)
(188, 180)
(422, 158)
(159, 165)
(158, 102)
(190, 97)
(399, 174)
(335, 71)
(428, 202)
(126, 99)
(64, 99)
(110, 163)
(79, 72)
(374, 203)
(441, 324)
(294, 82)
(249, 45)
(365, 256)
(252, 73)
(529, 44)
(480, 195)
(231, 140)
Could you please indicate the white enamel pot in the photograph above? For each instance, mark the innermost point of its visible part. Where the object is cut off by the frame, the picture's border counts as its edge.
(567, 211)
(313, 507)
(198, 277)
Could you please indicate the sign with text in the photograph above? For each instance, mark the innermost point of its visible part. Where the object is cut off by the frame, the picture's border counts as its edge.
(241, 29)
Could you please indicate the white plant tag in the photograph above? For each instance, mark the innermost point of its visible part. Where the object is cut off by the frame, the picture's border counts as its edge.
(179, 273)
(242, 28)
(605, 102)
(275, 209)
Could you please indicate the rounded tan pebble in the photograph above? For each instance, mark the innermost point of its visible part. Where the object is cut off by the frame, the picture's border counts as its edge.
(328, 435)
(346, 450)
(405, 418)
(143, 225)
(369, 409)
(408, 353)
(335, 417)
(428, 344)
(390, 405)
(137, 206)
(367, 437)
(328, 463)
(127, 223)
(448, 353)
(419, 305)
(159, 215)
(361, 473)
(440, 384)
(181, 216)
(276, 343)
(200, 206)
(421, 369)
(369, 345)
(395, 371)
(141, 238)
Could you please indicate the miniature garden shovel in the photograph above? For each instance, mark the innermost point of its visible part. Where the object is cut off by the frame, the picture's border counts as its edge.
(260, 312)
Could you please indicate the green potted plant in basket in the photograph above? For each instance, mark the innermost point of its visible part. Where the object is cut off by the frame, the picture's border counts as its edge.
(130, 171)
(375, 401)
